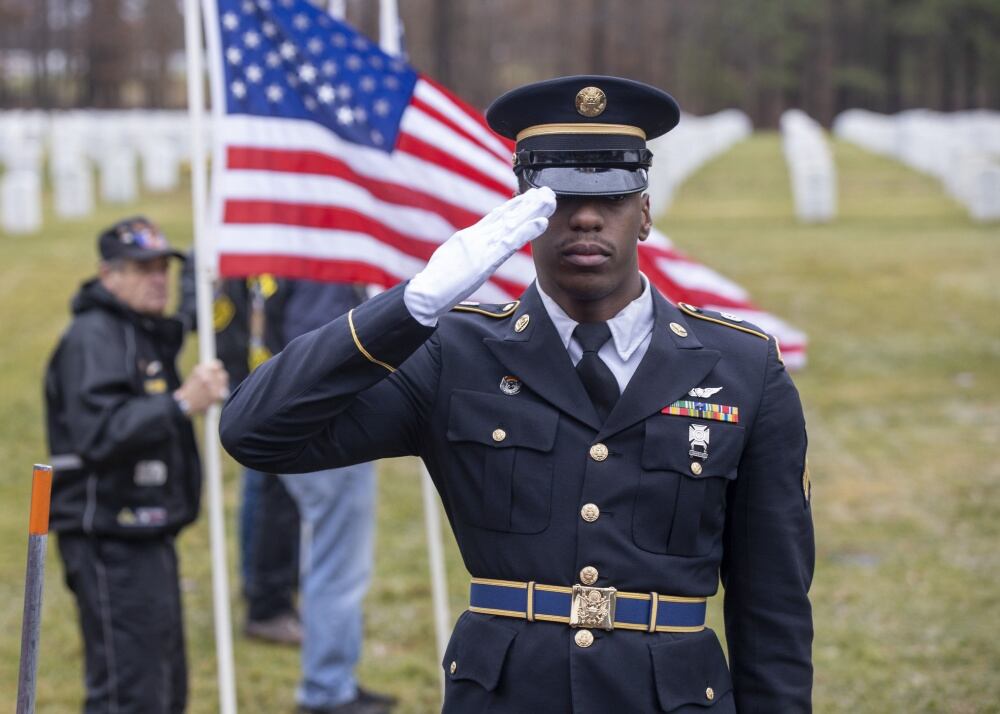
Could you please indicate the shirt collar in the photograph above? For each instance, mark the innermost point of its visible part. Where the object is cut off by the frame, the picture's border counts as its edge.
(628, 328)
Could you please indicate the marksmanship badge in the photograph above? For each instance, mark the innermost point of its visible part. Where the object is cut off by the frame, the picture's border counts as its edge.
(698, 436)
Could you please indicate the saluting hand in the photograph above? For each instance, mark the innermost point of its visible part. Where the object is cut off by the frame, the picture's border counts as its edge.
(207, 384)
(467, 259)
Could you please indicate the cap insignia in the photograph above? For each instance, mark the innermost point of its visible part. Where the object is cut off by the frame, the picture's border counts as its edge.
(591, 101)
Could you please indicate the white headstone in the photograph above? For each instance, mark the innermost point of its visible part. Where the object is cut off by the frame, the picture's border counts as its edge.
(118, 175)
(810, 167)
(961, 149)
(73, 189)
(21, 201)
(22, 152)
(681, 152)
(159, 165)
(984, 201)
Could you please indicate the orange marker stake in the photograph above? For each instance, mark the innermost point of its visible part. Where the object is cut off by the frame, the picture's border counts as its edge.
(38, 533)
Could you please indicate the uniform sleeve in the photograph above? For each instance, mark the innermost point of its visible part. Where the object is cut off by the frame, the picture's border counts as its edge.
(357, 389)
(105, 418)
(769, 554)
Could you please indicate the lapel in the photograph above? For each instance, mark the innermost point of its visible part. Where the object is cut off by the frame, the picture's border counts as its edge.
(671, 366)
(538, 357)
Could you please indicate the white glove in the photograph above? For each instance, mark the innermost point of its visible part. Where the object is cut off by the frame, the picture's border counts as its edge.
(466, 260)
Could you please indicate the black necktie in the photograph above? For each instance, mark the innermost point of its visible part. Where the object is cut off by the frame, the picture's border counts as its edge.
(597, 378)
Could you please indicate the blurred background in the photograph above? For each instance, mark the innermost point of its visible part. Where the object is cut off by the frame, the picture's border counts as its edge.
(839, 162)
(821, 56)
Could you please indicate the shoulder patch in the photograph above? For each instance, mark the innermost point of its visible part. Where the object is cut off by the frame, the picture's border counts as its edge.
(719, 318)
(495, 311)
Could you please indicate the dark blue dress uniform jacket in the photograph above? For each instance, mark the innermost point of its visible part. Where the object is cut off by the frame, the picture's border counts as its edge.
(376, 383)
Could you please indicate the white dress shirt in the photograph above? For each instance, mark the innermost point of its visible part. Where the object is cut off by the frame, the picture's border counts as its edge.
(631, 331)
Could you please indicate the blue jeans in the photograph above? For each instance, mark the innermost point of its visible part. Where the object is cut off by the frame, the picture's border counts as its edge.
(269, 546)
(253, 482)
(337, 509)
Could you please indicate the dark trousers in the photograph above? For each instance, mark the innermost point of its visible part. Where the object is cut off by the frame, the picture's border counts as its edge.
(273, 575)
(129, 602)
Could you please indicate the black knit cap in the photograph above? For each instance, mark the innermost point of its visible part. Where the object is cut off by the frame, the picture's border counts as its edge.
(583, 135)
(135, 238)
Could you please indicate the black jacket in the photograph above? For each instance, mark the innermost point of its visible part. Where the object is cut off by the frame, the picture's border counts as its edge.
(519, 469)
(124, 456)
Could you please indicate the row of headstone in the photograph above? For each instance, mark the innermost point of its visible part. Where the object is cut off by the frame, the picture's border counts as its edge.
(811, 167)
(960, 149)
(681, 152)
(75, 143)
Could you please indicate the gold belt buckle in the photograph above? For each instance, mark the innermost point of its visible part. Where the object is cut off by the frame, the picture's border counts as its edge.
(593, 607)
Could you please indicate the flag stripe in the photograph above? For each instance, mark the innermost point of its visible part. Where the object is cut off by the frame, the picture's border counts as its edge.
(317, 245)
(299, 267)
(398, 207)
(454, 107)
(423, 126)
(318, 216)
(409, 144)
(404, 170)
(438, 116)
(313, 162)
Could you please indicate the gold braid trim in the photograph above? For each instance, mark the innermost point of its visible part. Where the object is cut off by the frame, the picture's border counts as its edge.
(688, 311)
(361, 348)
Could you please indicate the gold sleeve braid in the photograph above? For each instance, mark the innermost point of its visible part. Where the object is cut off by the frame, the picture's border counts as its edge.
(361, 348)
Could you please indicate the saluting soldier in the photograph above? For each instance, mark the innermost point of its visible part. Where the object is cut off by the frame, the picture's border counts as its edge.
(603, 455)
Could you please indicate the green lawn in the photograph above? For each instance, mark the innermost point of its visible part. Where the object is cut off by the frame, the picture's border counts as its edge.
(901, 300)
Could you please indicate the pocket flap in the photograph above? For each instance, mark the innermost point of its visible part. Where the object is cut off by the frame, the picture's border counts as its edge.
(500, 421)
(477, 650)
(670, 441)
(690, 670)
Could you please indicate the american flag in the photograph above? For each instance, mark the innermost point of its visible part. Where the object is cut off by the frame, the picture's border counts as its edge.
(336, 161)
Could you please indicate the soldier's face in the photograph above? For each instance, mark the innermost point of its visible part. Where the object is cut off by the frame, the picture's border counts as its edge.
(142, 285)
(588, 253)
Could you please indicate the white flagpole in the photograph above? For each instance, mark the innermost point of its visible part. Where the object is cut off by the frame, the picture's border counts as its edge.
(389, 40)
(388, 26)
(337, 9)
(205, 270)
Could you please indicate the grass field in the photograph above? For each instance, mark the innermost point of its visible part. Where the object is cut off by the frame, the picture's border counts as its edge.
(901, 300)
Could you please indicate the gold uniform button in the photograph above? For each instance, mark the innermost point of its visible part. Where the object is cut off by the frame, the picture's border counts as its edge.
(584, 638)
(598, 452)
(454, 666)
(590, 512)
(709, 694)
(695, 468)
(588, 576)
(499, 435)
(678, 329)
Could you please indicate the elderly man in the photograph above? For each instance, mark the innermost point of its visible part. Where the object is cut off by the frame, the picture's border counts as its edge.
(603, 455)
(127, 474)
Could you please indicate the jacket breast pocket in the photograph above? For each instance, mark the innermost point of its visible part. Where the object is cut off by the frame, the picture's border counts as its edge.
(687, 465)
(500, 476)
